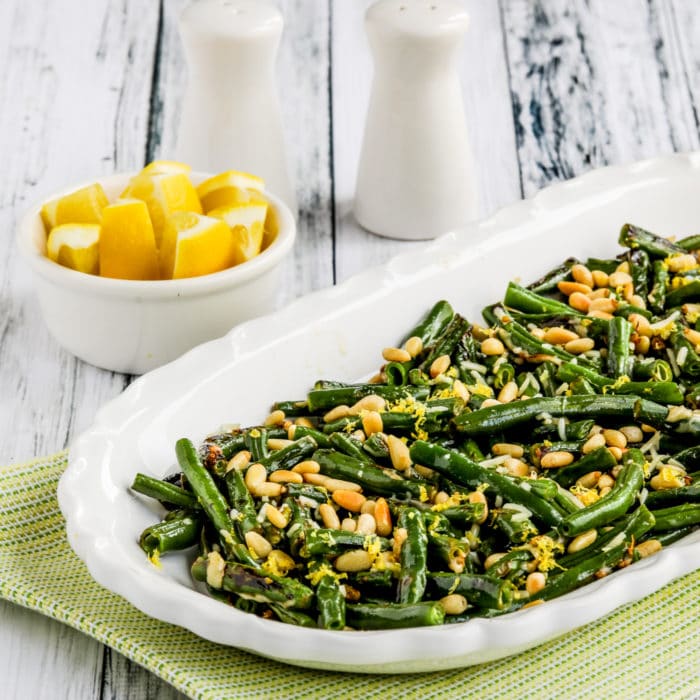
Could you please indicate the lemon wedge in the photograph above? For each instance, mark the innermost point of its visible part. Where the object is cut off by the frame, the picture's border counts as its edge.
(227, 188)
(75, 246)
(127, 242)
(246, 221)
(84, 206)
(194, 245)
(164, 194)
(166, 167)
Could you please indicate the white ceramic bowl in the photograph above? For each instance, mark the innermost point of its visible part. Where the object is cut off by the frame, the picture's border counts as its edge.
(134, 326)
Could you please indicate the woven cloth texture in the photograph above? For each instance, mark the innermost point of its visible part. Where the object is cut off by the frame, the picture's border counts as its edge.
(649, 649)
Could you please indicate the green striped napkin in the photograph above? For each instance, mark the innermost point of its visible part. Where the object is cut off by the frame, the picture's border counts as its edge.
(649, 649)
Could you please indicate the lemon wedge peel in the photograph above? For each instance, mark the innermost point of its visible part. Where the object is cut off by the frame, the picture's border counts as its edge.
(83, 206)
(75, 246)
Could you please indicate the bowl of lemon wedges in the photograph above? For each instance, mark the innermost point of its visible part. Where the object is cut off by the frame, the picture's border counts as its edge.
(132, 270)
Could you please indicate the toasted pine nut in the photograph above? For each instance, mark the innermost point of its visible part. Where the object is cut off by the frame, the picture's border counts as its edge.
(646, 549)
(453, 604)
(372, 423)
(354, 560)
(642, 345)
(507, 448)
(216, 566)
(304, 422)
(535, 582)
(258, 544)
(640, 324)
(678, 413)
(460, 388)
(616, 452)
(441, 497)
(516, 467)
(624, 266)
(440, 365)
(414, 346)
(568, 288)
(276, 517)
(368, 506)
(292, 429)
(348, 525)
(366, 524)
(358, 435)
(493, 559)
(537, 332)
(267, 489)
(601, 293)
(425, 472)
(329, 516)
(637, 301)
(255, 475)
(508, 393)
(585, 539)
(582, 274)
(605, 481)
(632, 433)
(308, 466)
(600, 278)
(595, 313)
(337, 413)
(278, 443)
(692, 335)
(681, 263)
(372, 402)
(396, 355)
(615, 438)
(400, 535)
(558, 458)
(239, 461)
(487, 403)
(558, 335)
(492, 346)
(286, 476)
(579, 301)
(350, 500)
(315, 478)
(378, 378)
(478, 497)
(533, 603)
(382, 516)
(398, 453)
(341, 485)
(588, 481)
(604, 491)
(275, 418)
(576, 347)
(619, 279)
(604, 304)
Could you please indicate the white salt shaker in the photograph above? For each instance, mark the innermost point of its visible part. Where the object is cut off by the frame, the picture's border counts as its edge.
(415, 177)
(231, 116)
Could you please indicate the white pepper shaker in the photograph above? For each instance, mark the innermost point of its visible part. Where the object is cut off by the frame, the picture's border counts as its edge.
(415, 178)
(231, 117)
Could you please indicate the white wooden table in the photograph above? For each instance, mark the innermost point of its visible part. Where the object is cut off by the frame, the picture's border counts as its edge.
(552, 89)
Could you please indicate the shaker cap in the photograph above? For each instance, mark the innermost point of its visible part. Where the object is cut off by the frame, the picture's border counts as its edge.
(419, 18)
(231, 18)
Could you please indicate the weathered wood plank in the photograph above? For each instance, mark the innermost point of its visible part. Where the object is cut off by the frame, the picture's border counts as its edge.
(594, 83)
(488, 114)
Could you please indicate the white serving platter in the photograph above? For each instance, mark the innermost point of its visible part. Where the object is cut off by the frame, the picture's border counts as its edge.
(338, 333)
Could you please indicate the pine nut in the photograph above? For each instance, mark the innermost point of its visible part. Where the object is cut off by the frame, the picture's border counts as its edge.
(329, 516)
(619, 279)
(601, 293)
(425, 472)
(605, 481)
(315, 478)
(492, 346)
(348, 525)
(285, 476)
(358, 435)
(678, 413)
(216, 566)
(414, 346)
(681, 263)
(341, 485)
(302, 421)
(692, 335)
(579, 301)
(278, 443)
(255, 475)
(441, 497)
(439, 366)
(600, 278)
(637, 301)
(368, 506)
(460, 388)
(507, 448)
(616, 452)
(396, 355)
(487, 403)
(382, 516)
(646, 549)
(372, 402)
(535, 582)
(308, 466)
(258, 544)
(398, 453)
(556, 459)
(267, 489)
(276, 517)
(337, 413)
(569, 288)
(479, 333)
(558, 335)
(292, 429)
(537, 332)
(508, 393)
(595, 313)
(615, 438)
(604, 304)
(366, 524)
(354, 560)
(516, 467)
(576, 347)
(588, 481)
(604, 491)
(239, 461)
(400, 535)
(372, 423)
(632, 433)
(493, 559)
(378, 378)
(640, 324)
(478, 497)
(585, 539)
(282, 561)
(624, 266)
(642, 345)
(582, 274)
(350, 500)
(453, 604)
(275, 418)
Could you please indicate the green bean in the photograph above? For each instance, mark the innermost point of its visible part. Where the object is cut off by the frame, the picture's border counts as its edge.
(657, 295)
(683, 294)
(317, 494)
(677, 517)
(396, 373)
(413, 557)
(163, 491)
(689, 243)
(446, 343)
(660, 392)
(528, 301)
(639, 269)
(434, 323)
(365, 616)
(481, 590)
(325, 399)
(322, 440)
(652, 369)
(221, 446)
(569, 372)
(689, 457)
(516, 528)
(292, 617)
(329, 600)
(266, 588)
(690, 493)
(256, 443)
(242, 502)
(599, 459)
(292, 409)
(350, 447)
(635, 237)
(289, 456)
(690, 362)
(330, 542)
(549, 282)
(179, 532)
(620, 361)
